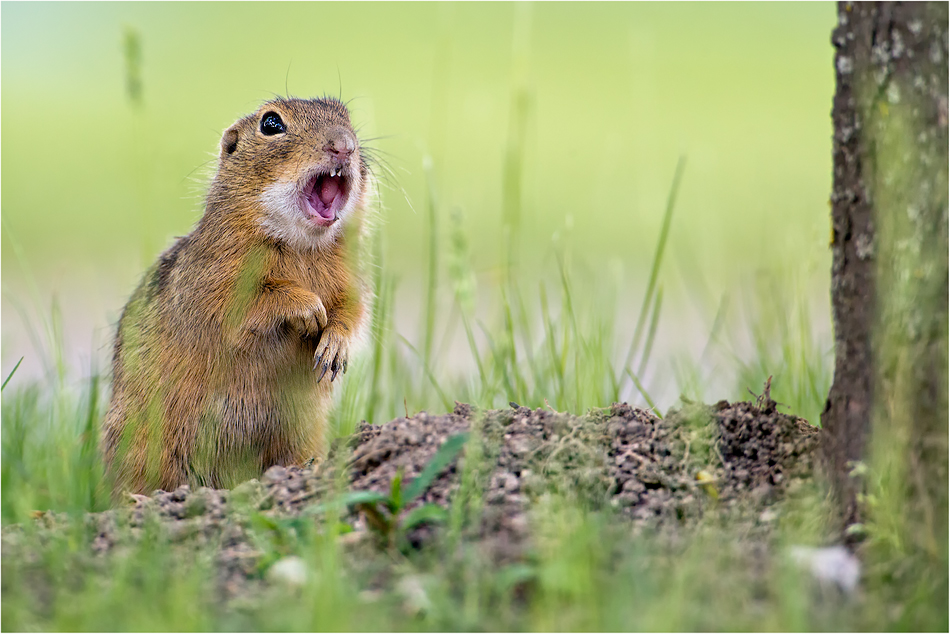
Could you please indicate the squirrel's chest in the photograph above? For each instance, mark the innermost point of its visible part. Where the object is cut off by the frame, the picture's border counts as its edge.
(326, 276)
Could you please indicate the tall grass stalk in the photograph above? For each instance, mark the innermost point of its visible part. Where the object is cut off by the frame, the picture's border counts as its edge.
(514, 156)
(432, 284)
(657, 262)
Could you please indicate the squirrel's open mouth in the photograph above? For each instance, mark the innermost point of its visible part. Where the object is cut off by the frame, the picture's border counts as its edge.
(325, 195)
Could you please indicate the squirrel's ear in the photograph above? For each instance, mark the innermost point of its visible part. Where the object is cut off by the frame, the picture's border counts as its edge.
(229, 141)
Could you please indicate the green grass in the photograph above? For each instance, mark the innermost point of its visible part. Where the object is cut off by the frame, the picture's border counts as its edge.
(586, 573)
(50, 449)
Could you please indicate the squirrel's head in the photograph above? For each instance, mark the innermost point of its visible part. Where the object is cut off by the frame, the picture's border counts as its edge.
(299, 165)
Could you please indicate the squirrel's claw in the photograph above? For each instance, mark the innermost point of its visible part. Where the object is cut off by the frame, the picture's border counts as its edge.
(331, 354)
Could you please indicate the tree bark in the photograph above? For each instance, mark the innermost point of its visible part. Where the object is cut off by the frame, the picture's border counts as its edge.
(889, 251)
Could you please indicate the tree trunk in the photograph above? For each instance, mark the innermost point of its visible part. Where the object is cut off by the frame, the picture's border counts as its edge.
(887, 408)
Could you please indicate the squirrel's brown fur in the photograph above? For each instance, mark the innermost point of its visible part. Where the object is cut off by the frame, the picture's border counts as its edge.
(226, 353)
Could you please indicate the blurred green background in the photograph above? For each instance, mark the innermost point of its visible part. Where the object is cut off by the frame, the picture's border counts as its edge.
(96, 183)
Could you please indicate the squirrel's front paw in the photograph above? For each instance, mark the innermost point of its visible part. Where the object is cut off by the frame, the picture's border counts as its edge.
(310, 321)
(331, 353)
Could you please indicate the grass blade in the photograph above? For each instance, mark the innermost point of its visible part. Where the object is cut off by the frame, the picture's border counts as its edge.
(574, 333)
(643, 392)
(651, 333)
(10, 376)
(425, 513)
(556, 367)
(383, 287)
(657, 261)
(474, 348)
(498, 361)
(446, 454)
(433, 280)
(351, 498)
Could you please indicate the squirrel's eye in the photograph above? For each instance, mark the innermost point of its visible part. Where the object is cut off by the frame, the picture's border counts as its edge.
(272, 124)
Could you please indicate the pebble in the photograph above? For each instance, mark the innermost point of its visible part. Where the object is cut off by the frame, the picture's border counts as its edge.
(633, 486)
(289, 570)
(274, 475)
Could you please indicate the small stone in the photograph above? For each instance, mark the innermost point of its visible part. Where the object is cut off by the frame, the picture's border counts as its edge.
(520, 446)
(495, 497)
(762, 493)
(139, 500)
(274, 475)
(643, 513)
(102, 544)
(633, 486)
(280, 494)
(291, 571)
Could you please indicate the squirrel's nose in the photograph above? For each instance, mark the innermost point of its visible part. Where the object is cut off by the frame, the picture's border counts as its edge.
(341, 143)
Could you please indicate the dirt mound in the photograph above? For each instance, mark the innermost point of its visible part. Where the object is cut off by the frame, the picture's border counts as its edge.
(621, 456)
(762, 450)
(653, 471)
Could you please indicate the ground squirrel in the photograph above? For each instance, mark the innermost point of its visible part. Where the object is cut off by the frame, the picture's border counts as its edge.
(226, 353)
